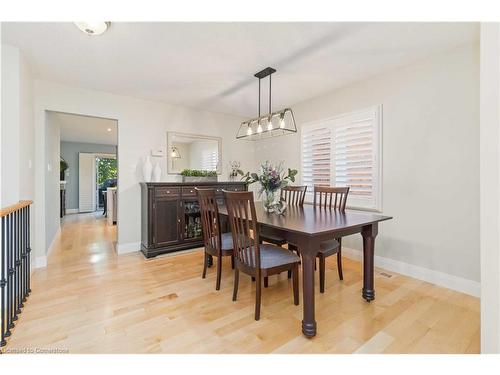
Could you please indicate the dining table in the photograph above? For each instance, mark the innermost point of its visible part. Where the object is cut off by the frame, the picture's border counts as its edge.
(306, 227)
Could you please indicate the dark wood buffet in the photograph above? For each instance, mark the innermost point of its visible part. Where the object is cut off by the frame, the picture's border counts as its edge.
(170, 217)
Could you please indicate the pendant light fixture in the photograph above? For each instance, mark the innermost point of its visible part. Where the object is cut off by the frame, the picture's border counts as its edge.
(174, 153)
(270, 125)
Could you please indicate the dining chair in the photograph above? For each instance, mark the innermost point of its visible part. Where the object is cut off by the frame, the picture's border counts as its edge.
(333, 198)
(217, 244)
(293, 196)
(252, 257)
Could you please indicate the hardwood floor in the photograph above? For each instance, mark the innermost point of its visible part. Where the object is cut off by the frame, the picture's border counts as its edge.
(88, 300)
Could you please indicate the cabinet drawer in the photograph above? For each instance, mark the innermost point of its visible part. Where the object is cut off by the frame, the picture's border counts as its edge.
(161, 192)
(189, 191)
(236, 188)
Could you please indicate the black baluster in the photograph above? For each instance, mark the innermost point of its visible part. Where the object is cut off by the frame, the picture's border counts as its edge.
(3, 283)
(29, 252)
(24, 255)
(18, 261)
(15, 306)
(10, 324)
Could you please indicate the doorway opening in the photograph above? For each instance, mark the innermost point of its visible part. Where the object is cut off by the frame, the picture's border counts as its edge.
(82, 175)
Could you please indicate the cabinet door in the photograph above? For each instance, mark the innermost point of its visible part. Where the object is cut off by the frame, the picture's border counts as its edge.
(191, 220)
(166, 222)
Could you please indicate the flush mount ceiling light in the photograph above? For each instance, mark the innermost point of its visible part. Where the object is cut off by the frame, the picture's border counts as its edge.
(271, 125)
(93, 28)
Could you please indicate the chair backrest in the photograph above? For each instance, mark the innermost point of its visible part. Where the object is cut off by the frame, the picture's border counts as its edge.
(243, 222)
(331, 197)
(294, 195)
(210, 223)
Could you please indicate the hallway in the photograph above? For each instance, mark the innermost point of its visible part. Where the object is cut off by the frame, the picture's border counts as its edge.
(88, 300)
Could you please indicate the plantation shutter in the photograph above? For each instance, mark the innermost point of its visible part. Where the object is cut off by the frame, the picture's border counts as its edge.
(316, 156)
(210, 160)
(345, 151)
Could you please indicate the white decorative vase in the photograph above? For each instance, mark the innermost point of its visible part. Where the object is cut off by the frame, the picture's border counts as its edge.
(157, 173)
(147, 168)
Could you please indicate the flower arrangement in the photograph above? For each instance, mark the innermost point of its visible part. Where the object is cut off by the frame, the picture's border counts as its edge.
(272, 178)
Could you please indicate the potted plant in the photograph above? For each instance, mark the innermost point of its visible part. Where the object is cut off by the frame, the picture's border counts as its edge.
(63, 166)
(271, 179)
(197, 175)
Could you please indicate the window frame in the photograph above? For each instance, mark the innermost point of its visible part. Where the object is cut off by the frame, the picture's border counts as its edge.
(376, 112)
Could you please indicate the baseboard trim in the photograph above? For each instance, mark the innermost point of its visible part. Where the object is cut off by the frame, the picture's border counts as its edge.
(40, 262)
(446, 280)
(56, 238)
(71, 211)
(126, 248)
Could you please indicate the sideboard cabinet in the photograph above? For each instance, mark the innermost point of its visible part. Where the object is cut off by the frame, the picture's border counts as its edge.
(170, 217)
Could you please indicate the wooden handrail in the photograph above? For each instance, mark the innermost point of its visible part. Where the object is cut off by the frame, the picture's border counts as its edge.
(17, 206)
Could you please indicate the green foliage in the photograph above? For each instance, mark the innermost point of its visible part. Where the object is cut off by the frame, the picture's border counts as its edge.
(106, 169)
(63, 165)
(271, 177)
(198, 173)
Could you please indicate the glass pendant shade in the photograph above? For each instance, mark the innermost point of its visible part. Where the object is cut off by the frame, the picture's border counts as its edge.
(282, 123)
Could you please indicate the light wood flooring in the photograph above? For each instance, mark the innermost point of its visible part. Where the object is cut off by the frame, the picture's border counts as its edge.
(88, 300)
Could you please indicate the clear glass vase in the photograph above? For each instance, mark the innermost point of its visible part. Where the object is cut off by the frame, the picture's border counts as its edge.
(269, 200)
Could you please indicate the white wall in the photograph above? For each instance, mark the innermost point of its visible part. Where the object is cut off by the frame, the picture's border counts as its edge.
(17, 132)
(490, 188)
(10, 125)
(142, 126)
(430, 159)
(52, 178)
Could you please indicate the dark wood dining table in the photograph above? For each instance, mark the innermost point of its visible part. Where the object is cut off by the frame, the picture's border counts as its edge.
(306, 227)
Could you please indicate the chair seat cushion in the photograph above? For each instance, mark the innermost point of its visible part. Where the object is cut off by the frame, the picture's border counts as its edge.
(268, 236)
(274, 256)
(330, 247)
(227, 241)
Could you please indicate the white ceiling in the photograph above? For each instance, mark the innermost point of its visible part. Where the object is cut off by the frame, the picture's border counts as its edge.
(86, 129)
(211, 65)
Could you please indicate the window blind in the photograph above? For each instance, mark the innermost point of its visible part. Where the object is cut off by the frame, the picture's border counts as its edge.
(316, 156)
(209, 160)
(345, 151)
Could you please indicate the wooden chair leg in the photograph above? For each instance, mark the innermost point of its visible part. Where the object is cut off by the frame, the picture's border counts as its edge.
(236, 281)
(266, 282)
(321, 274)
(289, 274)
(295, 273)
(257, 297)
(232, 262)
(339, 265)
(219, 272)
(205, 265)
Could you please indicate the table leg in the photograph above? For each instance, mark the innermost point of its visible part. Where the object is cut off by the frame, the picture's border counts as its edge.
(369, 233)
(308, 253)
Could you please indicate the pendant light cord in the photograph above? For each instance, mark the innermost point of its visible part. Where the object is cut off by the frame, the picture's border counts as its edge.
(259, 97)
(270, 75)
